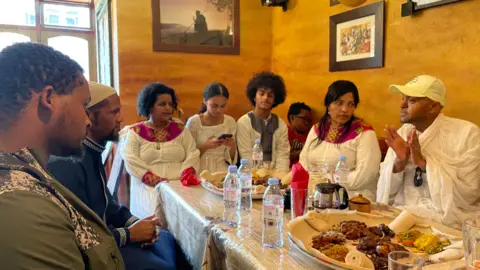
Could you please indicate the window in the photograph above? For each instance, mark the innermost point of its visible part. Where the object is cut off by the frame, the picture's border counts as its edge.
(68, 15)
(64, 25)
(53, 19)
(17, 12)
(8, 38)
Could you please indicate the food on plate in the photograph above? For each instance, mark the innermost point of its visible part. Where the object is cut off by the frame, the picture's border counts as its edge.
(331, 243)
(328, 237)
(430, 243)
(286, 179)
(380, 263)
(352, 229)
(334, 251)
(407, 238)
(381, 231)
(213, 178)
(403, 222)
(259, 189)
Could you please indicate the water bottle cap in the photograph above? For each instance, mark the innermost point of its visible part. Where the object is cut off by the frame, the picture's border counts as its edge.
(232, 169)
(257, 141)
(244, 161)
(273, 181)
(342, 158)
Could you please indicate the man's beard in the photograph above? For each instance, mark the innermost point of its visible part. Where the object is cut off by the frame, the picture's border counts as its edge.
(112, 137)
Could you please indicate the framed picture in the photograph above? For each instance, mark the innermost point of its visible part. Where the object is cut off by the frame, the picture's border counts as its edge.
(356, 38)
(334, 2)
(412, 6)
(196, 26)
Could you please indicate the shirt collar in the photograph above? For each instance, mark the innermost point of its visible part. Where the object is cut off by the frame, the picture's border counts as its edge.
(93, 145)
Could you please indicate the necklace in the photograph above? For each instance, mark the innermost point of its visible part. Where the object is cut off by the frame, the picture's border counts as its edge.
(160, 135)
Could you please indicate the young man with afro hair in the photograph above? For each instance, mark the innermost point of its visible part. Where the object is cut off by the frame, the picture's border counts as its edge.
(265, 91)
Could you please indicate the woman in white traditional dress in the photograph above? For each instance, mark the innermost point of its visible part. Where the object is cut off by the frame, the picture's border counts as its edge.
(340, 133)
(214, 131)
(265, 91)
(158, 149)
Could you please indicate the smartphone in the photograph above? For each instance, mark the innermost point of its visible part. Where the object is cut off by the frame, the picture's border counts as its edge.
(224, 136)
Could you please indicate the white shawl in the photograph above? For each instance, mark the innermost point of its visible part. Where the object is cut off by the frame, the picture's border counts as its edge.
(452, 150)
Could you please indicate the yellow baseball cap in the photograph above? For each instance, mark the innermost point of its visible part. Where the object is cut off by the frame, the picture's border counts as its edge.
(423, 86)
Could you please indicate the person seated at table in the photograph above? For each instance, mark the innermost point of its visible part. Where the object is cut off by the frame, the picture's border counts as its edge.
(158, 149)
(209, 125)
(43, 95)
(300, 119)
(265, 91)
(340, 133)
(432, 167)
(86, 178)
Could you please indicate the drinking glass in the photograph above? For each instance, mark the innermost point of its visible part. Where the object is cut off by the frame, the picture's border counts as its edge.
(403, 260)
(471, 242)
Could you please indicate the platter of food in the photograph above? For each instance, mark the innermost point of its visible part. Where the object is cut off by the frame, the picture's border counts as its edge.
(213, 182)
(351, 240)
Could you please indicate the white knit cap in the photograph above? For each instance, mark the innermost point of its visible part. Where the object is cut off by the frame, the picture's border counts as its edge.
(99, 92)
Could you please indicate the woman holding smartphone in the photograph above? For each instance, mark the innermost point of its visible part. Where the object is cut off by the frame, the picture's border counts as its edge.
(214, 131)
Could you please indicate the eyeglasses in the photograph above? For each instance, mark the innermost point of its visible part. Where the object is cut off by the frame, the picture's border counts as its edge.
(418, 179)
(305, 119)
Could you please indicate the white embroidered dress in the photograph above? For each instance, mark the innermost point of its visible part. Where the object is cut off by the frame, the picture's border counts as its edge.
(164, 159)
(216, 159)
(363, 159)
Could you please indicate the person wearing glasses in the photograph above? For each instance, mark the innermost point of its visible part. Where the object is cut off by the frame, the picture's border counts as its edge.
(300, 120)
(432, 168)
(340, 133)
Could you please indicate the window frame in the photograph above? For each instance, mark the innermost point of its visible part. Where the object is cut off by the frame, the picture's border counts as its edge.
(40, 32)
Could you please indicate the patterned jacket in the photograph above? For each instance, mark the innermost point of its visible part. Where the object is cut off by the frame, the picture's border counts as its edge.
(45, 226)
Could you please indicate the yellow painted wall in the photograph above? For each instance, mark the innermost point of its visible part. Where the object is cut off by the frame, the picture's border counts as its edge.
(442, 41)
(188, 74)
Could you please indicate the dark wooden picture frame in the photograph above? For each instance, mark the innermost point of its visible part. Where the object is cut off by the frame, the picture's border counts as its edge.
(410, 7)
(334, 2)
(159, 45)
(376, 9)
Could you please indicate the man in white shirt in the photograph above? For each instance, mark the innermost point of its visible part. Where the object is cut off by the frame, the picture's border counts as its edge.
(432, 168)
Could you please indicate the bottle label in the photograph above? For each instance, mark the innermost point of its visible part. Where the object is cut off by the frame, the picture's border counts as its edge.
(231, 194)
(274, 212)
(246, 181)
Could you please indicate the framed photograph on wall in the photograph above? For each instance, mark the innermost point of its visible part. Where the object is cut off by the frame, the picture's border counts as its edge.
(196, 26)
(357, 37)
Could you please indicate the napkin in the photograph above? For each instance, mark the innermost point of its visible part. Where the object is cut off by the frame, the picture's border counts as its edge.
(357, 258)
(403, 222)
(189, 178)
(298, 186)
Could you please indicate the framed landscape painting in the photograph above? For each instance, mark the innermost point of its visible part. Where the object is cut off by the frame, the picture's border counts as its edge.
(356, 38)
(196, 26)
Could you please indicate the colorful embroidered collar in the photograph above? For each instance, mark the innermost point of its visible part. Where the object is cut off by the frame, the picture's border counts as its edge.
(334, 135)
(172, 131)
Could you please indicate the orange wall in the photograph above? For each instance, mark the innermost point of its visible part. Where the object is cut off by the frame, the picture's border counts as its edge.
(188, 74)
(442, 41)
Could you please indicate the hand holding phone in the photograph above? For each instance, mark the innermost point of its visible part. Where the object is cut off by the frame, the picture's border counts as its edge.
(224, 137)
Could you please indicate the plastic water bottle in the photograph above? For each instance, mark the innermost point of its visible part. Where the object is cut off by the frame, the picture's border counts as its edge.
(245, 176)
(231, 197)
(341, 171)
(257, 155)
(272, 215)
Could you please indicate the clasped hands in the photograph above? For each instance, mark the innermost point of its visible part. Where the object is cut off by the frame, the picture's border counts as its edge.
(405, 150)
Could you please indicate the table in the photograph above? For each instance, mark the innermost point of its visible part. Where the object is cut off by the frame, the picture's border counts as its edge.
(193, 216)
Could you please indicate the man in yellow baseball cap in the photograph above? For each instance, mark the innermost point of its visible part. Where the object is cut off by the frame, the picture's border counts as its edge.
(432, 167)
